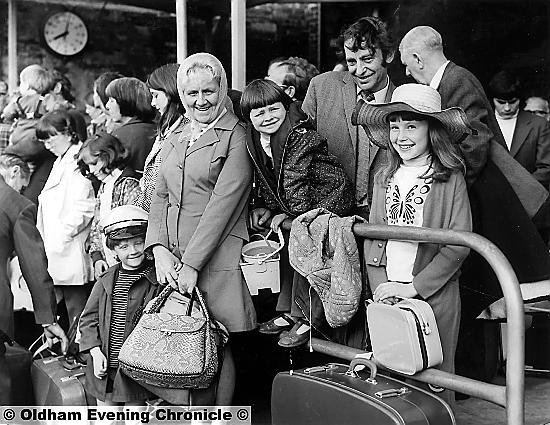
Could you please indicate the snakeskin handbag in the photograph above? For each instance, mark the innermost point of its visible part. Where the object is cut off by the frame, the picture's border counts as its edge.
(172, 350)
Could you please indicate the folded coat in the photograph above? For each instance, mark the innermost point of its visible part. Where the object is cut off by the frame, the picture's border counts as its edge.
(322, 248)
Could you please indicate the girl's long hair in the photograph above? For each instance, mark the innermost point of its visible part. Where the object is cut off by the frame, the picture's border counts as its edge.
(165, 79)
(445, 155)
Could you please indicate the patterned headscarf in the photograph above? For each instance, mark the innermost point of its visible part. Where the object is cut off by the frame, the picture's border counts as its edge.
(208, 62)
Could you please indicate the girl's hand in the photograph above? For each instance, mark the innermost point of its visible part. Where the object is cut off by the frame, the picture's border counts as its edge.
(187, 279)
(258, 218)
(100, 267)
(394, 289)
(100, 363)
(167, 266)
(277, 220)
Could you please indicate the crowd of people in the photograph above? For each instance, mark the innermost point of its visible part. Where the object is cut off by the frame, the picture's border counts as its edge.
(171, 175)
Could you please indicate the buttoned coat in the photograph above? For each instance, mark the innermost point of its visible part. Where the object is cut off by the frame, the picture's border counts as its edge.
(329, 102)
(199, 211)
(18, 233)
(65, 212)
(95, 326)
(436, 267)
(531, 146)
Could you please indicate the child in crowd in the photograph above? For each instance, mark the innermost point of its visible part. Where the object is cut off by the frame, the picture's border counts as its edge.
(34, 83)
(295, 173)
(116, 299)
(423, 185)
(104, 157)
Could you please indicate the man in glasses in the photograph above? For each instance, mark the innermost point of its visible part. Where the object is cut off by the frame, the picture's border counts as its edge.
(538, 106)
(527, 136)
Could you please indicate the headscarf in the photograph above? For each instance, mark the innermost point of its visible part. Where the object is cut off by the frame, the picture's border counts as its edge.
(203, 60)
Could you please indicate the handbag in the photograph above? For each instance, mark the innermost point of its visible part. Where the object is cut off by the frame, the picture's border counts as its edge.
(404, 336)
(172, 350)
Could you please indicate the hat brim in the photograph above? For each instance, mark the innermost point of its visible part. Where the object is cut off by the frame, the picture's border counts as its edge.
(374, 119)
(128, 232)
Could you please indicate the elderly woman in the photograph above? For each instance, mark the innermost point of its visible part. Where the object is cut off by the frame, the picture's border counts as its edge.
(130, 104)
(197, 223)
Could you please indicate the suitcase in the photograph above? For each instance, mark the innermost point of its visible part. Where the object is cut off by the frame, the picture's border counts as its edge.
(19, 361)
(404, 336)
(337, 394)
(55, 385)
(537, 343)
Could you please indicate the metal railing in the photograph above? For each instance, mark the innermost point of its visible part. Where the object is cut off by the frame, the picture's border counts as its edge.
(511, 396)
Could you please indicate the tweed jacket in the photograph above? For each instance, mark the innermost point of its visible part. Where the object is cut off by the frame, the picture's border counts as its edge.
(199, 211)
(138, 137)
(329, 102)
(125, 192)
(18, 233)
(322, 248)
(436, 268)
(95, 326)
(531, 146)
(459, 87)
(152, 165)
(306, 175)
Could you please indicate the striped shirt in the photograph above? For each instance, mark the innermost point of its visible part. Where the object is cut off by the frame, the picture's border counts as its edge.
(119, 308)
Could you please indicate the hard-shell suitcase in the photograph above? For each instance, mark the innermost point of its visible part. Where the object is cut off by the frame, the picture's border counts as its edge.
(337, 394)
(19, 361)
(56, 385)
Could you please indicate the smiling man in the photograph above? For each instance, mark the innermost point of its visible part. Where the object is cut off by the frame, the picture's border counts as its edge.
(332, 96)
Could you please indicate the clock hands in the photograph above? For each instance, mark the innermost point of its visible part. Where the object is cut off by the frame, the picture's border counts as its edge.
(66, 32)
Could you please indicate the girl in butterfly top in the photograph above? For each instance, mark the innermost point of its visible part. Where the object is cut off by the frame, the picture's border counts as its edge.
(423, 185)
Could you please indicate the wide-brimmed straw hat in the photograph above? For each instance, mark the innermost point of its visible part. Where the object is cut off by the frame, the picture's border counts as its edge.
(416, 98)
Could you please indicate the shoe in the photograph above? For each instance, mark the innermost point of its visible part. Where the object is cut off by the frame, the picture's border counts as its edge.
(275, 325)
(298, 335)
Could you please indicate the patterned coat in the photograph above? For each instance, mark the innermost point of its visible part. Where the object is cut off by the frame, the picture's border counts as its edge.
(125, 191)
(306, 175)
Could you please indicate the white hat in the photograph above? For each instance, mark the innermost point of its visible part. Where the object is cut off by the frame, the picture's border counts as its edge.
(123, 217)
(417, 98)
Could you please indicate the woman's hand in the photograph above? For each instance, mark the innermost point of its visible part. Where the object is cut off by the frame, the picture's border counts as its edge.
(277, 220)
(187, 279)
(167, 266)
(258, 218)
(394, 289)
(100, 267)
(100, 363)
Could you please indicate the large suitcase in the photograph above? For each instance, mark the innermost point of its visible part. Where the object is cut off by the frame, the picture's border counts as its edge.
(19, 361)
(57, 385)
(337, 394)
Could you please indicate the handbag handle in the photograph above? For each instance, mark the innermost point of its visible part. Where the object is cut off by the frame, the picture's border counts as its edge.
(195, 294)
(281, 245)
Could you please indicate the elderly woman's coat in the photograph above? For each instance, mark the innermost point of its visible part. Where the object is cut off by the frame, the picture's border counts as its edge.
(199, 212)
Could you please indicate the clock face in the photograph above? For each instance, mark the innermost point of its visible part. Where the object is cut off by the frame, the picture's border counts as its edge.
(65, 33)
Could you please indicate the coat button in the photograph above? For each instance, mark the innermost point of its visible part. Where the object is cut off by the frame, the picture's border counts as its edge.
(180, 166)
(375, 260)
(380, 244)
(177, 205)
(169, 204)
(173, 244)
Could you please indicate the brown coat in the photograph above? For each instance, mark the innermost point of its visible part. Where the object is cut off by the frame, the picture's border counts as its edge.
(199, 211)
(95, 325)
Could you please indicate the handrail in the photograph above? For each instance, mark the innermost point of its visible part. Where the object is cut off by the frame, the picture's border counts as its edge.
(510, 396)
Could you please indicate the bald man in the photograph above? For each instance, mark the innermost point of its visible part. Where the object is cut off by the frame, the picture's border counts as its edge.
(504, 196)
(538, 106)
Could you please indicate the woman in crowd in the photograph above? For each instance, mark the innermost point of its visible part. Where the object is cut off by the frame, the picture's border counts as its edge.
(130, 104)
(65, 212)
(295, 173)
(162, 84)
(101, 121)
(104, 157)
(197, 223)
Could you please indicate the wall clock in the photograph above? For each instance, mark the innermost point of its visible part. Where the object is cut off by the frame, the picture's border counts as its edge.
(65, 33)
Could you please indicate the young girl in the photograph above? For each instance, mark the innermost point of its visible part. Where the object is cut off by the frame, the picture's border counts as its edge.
(104, 157)
(162, 84)
(295, 173)
(116, 299)
(65, 212)
(423, 185)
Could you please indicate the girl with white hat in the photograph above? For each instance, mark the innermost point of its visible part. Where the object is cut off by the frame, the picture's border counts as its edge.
(422, 185)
